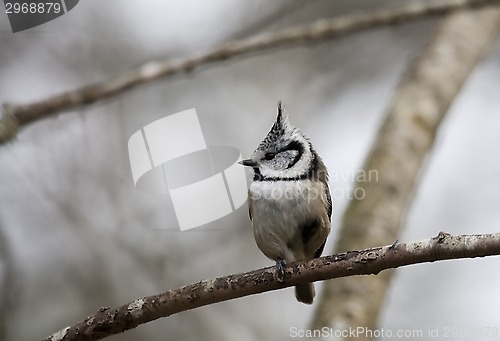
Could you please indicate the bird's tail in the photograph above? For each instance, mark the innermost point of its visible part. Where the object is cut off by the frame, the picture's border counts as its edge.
(305, 292)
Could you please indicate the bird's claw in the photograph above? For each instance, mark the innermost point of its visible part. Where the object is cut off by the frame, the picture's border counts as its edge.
(280, 265)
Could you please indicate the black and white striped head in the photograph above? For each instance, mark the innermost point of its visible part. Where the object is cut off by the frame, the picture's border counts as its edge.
(285, 153)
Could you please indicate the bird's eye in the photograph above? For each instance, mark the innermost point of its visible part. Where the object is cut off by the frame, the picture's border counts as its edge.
(269, 156)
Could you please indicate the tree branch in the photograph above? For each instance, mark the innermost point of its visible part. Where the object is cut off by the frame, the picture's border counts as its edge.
(405, 139)
(108, 321)
(16, 116)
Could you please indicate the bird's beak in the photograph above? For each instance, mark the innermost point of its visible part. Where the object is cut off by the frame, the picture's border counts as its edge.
(248, 162)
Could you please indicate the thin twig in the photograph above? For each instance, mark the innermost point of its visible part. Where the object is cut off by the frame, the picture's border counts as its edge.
(108, 321)
(16, 116)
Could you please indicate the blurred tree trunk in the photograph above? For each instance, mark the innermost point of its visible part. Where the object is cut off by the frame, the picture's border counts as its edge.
(5, 283)
(405, 138)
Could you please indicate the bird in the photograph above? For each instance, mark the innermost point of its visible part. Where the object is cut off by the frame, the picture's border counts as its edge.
(289, 200)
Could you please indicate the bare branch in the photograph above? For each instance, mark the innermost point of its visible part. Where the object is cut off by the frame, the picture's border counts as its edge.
(108, 321)
(405, 139)
(15, 116)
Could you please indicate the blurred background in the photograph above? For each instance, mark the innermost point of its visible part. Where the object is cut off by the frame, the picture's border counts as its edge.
(76, 235)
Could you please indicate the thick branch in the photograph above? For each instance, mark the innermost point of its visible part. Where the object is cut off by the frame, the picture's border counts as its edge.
(108, 322)
(15, 116)
(405, 138)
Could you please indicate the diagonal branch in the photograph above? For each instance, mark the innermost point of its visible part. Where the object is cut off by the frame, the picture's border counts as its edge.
(398, 155)
(15, 116)
(108, 321)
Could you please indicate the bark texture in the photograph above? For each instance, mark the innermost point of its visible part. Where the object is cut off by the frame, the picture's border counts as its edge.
(405, 138)
(110, 321)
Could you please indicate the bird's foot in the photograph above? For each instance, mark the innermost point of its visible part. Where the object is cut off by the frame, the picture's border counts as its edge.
(280, 265)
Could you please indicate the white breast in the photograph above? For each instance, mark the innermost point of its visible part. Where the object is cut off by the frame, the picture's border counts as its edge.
(280, 209)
